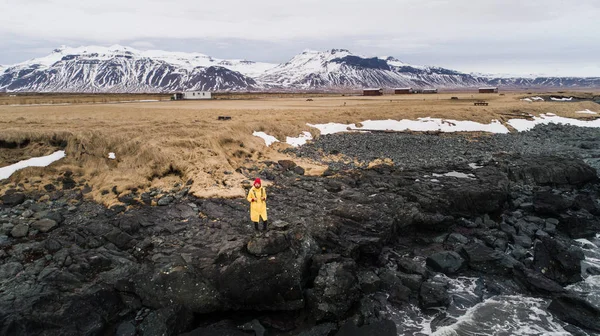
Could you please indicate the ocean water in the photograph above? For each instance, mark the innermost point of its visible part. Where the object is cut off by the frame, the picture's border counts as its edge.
(473, 311)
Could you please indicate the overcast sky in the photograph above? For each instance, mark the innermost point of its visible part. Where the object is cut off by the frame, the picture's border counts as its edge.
(552, 37)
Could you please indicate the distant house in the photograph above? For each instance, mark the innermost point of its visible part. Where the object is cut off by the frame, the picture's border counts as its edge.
(404, 91)
(191, 95)
(373, 92)
(430, 91)
(488, 90)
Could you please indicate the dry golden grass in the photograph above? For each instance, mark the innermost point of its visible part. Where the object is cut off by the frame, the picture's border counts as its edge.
(158, 144)
(73, 98)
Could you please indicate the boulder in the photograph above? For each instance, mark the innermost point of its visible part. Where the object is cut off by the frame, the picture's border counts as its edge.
(168, 321)
(165, 200)
(287, 164)
(536, 282)
(579, 225)
(216, 331)
(44, 225)
(447, 262)
(121, 239)
(456, 239)
(588, 203)
(19, 231)
(9, 270)
(126, 328)
(335, 290)
(392, 285)
(273, 244)
(577, 311)
(12, 199)
(558, 260)
(484, 259)
(411, 266)
(298, 170)
(434, 293)
(324, 329)
(548, 170)
(369, 282)
(549, 203)
(523, 241)
(381, 328)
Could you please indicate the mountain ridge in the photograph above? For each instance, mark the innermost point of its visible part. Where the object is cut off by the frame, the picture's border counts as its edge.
(124, 69)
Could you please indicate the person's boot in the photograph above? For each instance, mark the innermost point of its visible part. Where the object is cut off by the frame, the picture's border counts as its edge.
(265, 225)
(256, 226)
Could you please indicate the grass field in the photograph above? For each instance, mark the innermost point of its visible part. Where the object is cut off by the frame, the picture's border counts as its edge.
(162, 143)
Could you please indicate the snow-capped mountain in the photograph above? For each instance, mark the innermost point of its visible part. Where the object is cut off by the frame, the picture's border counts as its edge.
(124, 69)
(339, 68)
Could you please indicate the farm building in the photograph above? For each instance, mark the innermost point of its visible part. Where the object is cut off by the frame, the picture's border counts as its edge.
(192, 95)
(373, 92)
(430, 91)
(403, 91)
(488, 90)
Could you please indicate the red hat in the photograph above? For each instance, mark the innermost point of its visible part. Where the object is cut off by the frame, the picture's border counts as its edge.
(257, 181)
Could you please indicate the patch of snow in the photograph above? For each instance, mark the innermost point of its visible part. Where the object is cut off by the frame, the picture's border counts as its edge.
(420, 125)
(586, 112)
(299, 141)
(455, 174)
(561, 99)
(532, 99)
(544, 119)
(269, 139)
(112, 156)
(43, 161)
(475, 166)
(332, 128)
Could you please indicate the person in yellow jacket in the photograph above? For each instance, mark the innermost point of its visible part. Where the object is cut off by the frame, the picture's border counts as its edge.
(257, 196)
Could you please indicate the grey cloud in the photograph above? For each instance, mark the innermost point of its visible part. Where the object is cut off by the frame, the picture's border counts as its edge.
(467, 35)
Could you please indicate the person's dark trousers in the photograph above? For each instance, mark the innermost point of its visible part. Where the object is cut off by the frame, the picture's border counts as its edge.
(265, 225)
(256, 226)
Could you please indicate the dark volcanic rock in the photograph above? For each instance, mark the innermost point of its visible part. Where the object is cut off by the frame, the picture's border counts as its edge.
(558, 260)
(382, 328)
(550, 170)
(536, 282)
(447, 262)
(19, 231)
(369, 282)
(434, 294)
(392, 284)
(44, 225)
(13, 199)
(549, 203)
(579, 225)
(335, 290)
(577, 311)
(275, 243)
(484, 259)
(169, 321)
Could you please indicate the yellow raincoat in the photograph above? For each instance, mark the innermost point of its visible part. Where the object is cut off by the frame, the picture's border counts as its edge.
(258, 208)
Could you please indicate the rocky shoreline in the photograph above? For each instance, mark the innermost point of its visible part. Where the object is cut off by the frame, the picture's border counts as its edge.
(341, 247)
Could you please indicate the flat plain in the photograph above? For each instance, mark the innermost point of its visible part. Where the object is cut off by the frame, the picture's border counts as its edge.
(161, 143)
